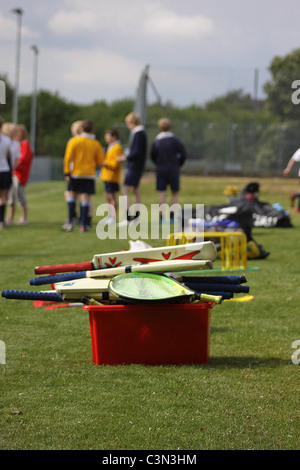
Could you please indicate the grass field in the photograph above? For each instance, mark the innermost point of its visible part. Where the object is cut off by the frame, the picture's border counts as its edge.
(54, 397)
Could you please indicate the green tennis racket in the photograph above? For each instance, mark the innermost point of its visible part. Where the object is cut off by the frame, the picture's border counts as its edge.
(154, 288)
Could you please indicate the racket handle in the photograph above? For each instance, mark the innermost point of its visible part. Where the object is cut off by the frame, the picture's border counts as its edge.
(39, 281)
(236, 288)
(30, 295)
(241, 279)
(216, 299)
(64, 268)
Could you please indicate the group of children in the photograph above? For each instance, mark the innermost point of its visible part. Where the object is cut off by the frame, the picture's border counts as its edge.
(84, 154)
(15, 164)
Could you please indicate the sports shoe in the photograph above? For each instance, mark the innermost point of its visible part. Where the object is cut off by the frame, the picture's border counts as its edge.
(67, 227)
(84, 228)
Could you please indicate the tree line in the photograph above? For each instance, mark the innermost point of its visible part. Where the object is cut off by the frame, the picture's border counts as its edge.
(269, 126)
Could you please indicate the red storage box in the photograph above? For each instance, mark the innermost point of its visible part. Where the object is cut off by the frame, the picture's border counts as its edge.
(150, 334)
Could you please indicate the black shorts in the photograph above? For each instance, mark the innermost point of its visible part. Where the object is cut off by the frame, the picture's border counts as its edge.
(5, 179)
(167, 179)
(132, 178)
(111, 187)
(82, 185)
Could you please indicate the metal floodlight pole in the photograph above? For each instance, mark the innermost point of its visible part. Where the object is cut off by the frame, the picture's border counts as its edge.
(254, 126)
(33, 101)
(19, 13)
(140, 105)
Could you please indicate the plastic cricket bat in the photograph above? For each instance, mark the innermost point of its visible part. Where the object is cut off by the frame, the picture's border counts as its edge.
(191, 251)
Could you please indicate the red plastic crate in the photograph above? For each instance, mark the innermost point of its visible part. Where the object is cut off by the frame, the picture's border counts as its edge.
(171, 334)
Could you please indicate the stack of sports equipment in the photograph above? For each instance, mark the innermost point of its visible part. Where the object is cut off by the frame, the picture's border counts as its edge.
(153, 275)
(126, 293)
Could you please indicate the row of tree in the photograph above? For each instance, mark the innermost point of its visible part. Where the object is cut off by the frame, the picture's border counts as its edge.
(236, 122)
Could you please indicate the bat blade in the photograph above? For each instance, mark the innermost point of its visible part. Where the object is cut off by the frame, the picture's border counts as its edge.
(190, 251)
(84, 286)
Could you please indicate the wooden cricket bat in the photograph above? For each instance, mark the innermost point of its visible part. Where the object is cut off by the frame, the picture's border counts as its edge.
(157, 267)
(190, 251)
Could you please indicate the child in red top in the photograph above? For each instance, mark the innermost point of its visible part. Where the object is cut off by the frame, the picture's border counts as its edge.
(21, 173)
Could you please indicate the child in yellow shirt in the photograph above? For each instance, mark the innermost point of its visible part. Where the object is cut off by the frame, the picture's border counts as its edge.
(111, 172)
(83, 155)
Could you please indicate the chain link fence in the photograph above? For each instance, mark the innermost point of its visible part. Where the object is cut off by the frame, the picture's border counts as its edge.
(213, 149)
(237, 149)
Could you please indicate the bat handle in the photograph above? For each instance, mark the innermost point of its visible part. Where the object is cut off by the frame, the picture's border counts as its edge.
(39, 281)
(30, 295)
(216, 299)
(64, 268)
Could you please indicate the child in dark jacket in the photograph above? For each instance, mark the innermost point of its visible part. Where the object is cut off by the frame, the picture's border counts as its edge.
(168, 154)
(135, 158)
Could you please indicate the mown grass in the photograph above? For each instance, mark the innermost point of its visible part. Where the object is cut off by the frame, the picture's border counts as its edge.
(54, 397)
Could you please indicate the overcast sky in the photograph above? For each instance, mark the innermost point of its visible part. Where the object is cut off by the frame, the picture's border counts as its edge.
(196, 49)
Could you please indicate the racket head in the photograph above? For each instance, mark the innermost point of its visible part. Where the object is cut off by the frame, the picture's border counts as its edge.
(148, 288)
